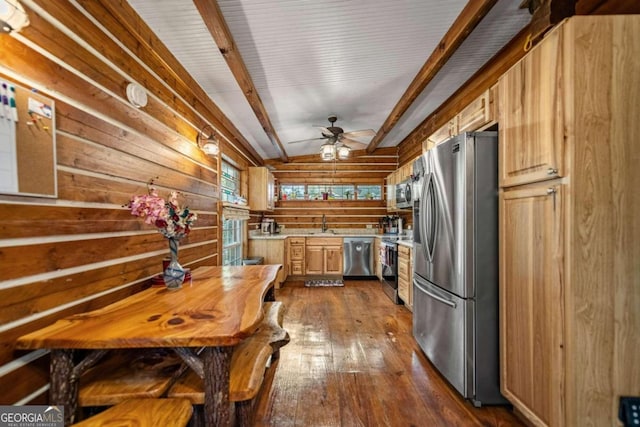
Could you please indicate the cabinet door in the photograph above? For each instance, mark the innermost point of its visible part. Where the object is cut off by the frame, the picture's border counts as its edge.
(314, 260)
(531, 302)
(475, 115)
(403, 278)
(391, 191)
(532, 122)
(376, 258)
(333, 258)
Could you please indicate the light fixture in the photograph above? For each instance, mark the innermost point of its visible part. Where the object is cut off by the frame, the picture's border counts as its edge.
(328, 151)
(343, 152)
(12, 16)
(208, 141)
(136, 95)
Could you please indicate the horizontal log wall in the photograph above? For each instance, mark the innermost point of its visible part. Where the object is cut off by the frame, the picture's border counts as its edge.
(360, 168)
(83, 250)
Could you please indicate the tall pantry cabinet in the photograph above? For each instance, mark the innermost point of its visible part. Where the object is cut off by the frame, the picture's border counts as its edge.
(570, 223)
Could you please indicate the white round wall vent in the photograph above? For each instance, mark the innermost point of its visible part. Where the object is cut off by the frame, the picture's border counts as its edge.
(136, 95)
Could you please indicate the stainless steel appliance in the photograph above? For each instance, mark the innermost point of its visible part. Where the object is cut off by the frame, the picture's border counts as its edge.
(455, 307)
(358, 257)
(404, 192)
(389, 261)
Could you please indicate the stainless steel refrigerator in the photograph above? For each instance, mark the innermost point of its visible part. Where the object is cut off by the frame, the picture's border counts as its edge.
(455, 306)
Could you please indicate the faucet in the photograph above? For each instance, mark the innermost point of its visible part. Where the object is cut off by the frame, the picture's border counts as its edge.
(324, 223)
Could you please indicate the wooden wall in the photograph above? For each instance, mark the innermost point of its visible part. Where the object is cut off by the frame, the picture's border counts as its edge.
(83, 250)
(360, 168)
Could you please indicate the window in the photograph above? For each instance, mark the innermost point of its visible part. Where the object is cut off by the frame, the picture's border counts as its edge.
(332, 191)
(230, 183)
(290, 192)
(370, 192)
(231, 228)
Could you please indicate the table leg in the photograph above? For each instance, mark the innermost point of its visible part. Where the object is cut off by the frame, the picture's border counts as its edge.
(64, 390)
(217, 365)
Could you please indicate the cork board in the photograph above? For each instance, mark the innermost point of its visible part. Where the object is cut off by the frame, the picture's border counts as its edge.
(35, 151)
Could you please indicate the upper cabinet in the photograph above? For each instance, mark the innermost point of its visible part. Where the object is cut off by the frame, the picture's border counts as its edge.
(478, 115)
(533, 114)
(261, 189)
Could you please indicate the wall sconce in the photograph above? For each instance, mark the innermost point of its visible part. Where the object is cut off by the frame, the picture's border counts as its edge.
(208, 141)
(12, 16)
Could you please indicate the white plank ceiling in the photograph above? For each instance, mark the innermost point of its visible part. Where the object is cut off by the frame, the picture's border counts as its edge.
(312, 58)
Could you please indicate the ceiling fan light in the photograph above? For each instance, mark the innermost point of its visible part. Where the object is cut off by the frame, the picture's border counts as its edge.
(328, 152)
(343, 152)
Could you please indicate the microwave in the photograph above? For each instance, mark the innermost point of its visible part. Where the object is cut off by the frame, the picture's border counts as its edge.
(403, 194)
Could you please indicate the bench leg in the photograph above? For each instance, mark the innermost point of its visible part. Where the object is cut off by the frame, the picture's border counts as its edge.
(244, 413)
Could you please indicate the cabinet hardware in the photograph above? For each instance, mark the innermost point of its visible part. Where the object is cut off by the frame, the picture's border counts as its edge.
(554, 192)
(552, 171)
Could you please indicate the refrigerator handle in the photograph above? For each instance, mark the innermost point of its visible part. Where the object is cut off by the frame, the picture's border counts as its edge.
(430, 216)
(438, 298)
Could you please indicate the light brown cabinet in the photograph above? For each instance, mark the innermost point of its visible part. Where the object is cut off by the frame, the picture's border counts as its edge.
(532, 121)
(261, 189)
(569, 227)
(445, 132)
(376, 258)
(323, 256)
(405, 275)
(391, 191)
(274, 252)
(531, 300)
(296, 256)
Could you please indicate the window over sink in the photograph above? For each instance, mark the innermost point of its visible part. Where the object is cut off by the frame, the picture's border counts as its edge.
(330, 192)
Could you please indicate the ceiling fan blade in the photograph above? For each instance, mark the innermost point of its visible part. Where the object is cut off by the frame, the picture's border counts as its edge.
(305, 140)
(325, 130)
(351, 143)
(360, 133)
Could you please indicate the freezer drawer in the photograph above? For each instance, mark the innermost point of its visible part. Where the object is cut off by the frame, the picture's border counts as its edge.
(440, 328)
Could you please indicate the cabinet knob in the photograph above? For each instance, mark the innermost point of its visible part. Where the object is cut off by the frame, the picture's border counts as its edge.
(551, 190)
(552, 171)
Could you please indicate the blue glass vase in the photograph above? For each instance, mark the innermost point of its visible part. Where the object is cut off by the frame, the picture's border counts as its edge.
(174, 274)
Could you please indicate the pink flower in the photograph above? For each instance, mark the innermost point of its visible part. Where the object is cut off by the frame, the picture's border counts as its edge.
(167, 216)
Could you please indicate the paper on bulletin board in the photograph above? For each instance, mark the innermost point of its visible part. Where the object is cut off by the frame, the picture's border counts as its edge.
(8, 161)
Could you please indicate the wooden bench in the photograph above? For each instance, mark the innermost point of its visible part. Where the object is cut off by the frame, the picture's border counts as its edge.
(129, 374)
(143, 413)
(248, 364)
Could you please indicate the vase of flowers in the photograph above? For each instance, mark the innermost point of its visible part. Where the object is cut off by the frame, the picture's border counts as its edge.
(171, 220)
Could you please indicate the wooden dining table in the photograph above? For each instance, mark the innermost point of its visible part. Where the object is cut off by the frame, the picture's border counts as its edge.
(202, 322)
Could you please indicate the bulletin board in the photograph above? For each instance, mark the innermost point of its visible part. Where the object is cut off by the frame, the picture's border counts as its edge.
(29, 124)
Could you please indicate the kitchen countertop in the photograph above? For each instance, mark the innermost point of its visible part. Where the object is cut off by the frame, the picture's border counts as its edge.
(303, 233)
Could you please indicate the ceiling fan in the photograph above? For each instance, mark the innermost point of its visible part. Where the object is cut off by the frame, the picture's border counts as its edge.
(338, 143)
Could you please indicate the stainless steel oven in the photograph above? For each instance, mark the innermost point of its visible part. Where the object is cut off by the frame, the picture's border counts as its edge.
(389, 261)
(404, 192)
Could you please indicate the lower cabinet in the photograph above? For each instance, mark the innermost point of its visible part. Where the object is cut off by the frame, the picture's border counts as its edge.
(274, 252)
(323, 255)
(376, 258)
(296, 256)
(405, 275)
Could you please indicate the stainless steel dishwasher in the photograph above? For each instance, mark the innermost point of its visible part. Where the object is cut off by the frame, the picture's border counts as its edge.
(358, 256)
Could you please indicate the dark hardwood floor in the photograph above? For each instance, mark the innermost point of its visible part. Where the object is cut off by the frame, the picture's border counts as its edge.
(352, 361)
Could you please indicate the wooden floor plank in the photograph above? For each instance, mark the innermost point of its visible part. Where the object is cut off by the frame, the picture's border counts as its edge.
(352, 361)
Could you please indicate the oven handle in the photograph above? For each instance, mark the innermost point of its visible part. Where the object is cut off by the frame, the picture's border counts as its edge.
(438, 298)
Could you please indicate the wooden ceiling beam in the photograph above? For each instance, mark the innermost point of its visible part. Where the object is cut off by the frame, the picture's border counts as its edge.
(141, 40)
(217, 26)
(464, 24)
